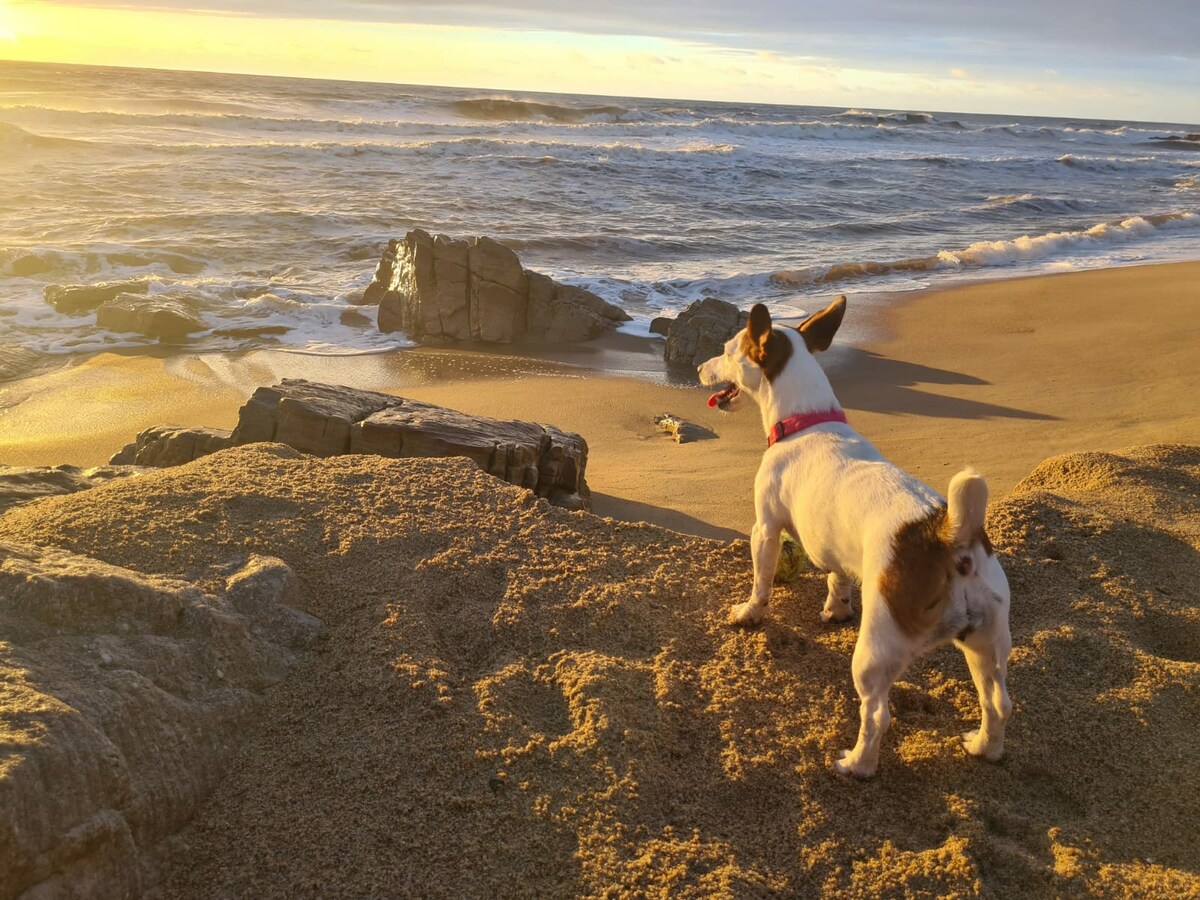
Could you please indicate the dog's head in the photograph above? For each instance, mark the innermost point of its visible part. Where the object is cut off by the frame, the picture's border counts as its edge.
(761, 352)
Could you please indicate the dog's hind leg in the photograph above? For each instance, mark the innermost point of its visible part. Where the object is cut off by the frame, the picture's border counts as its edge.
(837, 601)
(987, 652)
(764, 550)
(878, 661)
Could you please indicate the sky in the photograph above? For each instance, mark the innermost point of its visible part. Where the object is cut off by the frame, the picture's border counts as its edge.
(1093, 58)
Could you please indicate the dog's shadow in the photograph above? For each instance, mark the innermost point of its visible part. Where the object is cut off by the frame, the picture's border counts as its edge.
(886, 385)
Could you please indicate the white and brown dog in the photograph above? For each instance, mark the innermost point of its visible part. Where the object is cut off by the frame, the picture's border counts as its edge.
(927, 570)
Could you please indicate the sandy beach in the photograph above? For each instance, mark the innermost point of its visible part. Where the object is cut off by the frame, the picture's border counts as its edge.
(998, 375)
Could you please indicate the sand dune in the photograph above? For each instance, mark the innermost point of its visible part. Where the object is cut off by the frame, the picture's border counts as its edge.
(515, 700)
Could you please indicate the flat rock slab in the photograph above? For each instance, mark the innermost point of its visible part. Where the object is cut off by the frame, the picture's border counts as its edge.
(330, 420)
(172, 445)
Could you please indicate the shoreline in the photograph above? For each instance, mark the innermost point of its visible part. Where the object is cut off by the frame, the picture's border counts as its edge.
(998, 374)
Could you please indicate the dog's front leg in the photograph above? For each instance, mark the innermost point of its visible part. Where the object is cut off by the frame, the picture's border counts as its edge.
(764, 550)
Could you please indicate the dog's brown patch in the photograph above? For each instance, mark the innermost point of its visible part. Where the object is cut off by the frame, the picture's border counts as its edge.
(916, 585)
(771, 353)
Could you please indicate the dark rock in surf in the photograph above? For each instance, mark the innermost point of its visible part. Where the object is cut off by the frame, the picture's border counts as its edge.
(700, 331)
(79, 298)
(437, 289)
(158, 317)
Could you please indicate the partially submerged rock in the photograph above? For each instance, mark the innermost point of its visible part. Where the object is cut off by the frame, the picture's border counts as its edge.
(78, 298)
(164, 318)
(16, 361)
(22, 484)
(330, 420)
(437, 289)
(122, 698)
(699, 332)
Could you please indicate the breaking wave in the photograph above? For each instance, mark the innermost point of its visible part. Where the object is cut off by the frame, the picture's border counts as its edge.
(13, 138)
(503, 109)
(993, 253)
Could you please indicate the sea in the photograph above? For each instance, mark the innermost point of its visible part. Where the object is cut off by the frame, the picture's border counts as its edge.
(265, 202)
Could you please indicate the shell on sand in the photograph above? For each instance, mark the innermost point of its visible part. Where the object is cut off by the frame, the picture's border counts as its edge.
(518, 700)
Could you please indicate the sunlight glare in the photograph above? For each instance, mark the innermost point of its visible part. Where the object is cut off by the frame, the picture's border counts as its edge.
(8, 23)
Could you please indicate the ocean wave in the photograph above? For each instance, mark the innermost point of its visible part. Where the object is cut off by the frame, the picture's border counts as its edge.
(993, 253)
(505, 109)
(896, 118)
(112, 262)
(1035, 203)
(14, 138)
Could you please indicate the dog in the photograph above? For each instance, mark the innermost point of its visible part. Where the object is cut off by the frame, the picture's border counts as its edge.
(927, 570)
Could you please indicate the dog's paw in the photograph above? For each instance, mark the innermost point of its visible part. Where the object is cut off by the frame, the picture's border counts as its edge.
(845, 765)
(833, 617)
(975, 745)
(747, 614)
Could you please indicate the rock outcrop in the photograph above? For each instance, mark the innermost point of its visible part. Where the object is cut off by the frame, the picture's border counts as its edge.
(158, 317)
(123, 697)
(172, 445)
(22, 484)
(437, 289)
(78, 298)
(330, 420)
(700, 331)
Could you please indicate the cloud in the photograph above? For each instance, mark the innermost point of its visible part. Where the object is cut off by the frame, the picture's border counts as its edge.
(1163, 27)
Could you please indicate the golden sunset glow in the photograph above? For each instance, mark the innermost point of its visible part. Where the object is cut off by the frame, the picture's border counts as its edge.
(8, 23)
(657, 63)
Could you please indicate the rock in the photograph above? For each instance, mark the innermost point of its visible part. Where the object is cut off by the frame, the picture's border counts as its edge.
(22, 484)
(684, 432)
(156, 317)
(314, 418)
(16, 361)
(330, 420)
(77, 298)
(257, 331)
(700, 331)
(436, 289)
(172, 445)
(661, 325)
(24, 266)
(542, 458)
(124, 698)
(354, 319)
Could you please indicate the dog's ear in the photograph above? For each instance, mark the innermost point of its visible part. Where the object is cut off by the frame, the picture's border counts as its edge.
(760, 324)
(818, 329)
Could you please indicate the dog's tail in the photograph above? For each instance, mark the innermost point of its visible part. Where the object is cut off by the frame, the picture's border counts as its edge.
(967, 507)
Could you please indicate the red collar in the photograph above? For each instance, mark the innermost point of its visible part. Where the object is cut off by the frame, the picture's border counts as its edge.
(794, 424)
